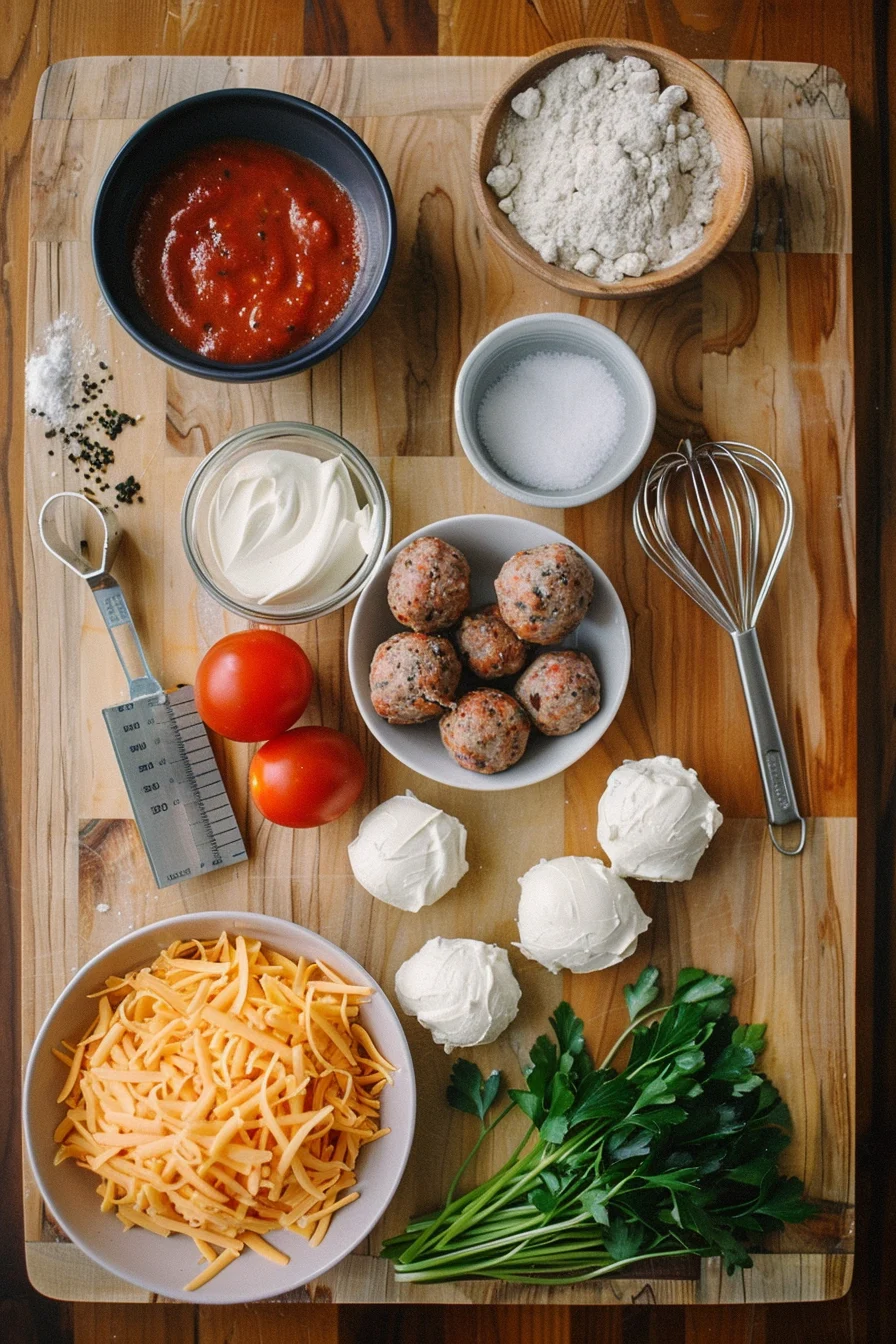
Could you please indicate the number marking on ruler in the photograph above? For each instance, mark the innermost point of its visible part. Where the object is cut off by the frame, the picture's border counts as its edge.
(180, 804)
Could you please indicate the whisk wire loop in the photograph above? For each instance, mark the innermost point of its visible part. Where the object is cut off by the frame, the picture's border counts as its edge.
(730, 548)
(654, 531)
(717, 484)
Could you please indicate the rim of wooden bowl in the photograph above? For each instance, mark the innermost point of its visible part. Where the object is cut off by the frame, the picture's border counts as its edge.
(706, 97)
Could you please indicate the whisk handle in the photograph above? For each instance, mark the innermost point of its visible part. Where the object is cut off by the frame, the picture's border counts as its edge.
(777, 785)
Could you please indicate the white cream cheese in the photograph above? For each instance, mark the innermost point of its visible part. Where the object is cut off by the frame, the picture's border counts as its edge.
(285, 527)
(655, 820)
(577, 915)
(409, 854)
(461, 990)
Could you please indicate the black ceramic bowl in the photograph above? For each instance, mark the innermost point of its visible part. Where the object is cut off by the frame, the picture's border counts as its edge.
(254, 114)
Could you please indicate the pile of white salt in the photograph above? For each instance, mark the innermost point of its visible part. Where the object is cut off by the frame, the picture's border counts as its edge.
(52, 373)
(552, 420)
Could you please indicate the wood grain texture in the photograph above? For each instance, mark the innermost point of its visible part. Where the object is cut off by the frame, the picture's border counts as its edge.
(87, 881)
(386, 28)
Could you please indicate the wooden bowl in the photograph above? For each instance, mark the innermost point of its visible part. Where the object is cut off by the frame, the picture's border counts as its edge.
(707, 98)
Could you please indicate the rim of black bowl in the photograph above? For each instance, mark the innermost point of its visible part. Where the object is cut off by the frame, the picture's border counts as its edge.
(319, 347)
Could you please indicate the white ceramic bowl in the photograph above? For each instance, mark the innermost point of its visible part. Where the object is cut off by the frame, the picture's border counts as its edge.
(487, 540)
(561, 333)
(164, 1265)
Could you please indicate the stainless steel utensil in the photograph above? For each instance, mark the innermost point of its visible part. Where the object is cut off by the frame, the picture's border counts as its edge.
(180, 804)
(717, 483)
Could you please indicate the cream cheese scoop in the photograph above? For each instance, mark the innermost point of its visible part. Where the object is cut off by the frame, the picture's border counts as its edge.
(463, 991)
(409, 854)
(575, 914)
(655, 820)
(287, 527)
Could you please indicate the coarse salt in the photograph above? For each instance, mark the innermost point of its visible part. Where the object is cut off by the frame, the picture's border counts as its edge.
(552, 420)
(51, 374)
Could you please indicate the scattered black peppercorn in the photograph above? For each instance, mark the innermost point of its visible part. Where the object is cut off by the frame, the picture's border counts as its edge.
(89, 456)
(126, 491)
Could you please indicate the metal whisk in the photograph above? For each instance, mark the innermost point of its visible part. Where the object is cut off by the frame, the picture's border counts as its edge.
(717, 482)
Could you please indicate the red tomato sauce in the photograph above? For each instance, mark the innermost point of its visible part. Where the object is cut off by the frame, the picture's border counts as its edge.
(245, 251)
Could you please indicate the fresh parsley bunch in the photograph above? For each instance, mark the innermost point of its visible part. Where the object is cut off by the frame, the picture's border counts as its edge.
(674, 1154)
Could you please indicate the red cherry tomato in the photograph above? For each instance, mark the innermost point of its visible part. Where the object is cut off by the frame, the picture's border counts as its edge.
(306, 777)
(253, 685)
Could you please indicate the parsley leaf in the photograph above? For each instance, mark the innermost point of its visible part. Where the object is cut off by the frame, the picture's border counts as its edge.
(642, 993)
(569, 1030)
(675, 1152)
(623, 1239)
(555, 1125)
(468, 1091)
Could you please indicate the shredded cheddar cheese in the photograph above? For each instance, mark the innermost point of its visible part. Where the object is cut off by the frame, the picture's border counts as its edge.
(224, 1092)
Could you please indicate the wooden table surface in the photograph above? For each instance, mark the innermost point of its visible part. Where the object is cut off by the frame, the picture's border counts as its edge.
(841, 36)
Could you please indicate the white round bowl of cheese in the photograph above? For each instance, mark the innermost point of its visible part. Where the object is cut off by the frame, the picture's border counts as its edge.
(163, 1265)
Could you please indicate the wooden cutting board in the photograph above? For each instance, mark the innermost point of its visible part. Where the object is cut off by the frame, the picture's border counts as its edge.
(757, 347)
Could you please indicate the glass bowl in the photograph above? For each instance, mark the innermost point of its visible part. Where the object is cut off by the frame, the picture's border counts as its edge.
(311, 441)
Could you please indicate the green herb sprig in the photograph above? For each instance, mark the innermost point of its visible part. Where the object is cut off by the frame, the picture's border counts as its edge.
(674, 1154)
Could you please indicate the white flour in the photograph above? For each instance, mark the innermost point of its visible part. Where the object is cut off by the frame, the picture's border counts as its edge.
(604, 174)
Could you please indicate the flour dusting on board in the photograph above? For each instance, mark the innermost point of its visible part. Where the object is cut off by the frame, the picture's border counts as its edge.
(51, 373)
(604, 173)
(66, 386)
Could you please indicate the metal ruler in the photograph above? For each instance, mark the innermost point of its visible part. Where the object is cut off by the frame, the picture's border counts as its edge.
(180, 804)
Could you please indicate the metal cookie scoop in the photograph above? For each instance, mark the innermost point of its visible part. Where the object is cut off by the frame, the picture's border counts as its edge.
(85, 537)
(717, 483)
(175, 787)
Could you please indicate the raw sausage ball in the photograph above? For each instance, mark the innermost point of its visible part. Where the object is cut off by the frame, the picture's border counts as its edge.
(429, 585)
(413, 678)
(488, 646)
(561, 691)
(544, 593)
(487, 731)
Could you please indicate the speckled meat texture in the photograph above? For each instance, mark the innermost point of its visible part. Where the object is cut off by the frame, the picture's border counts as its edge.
(413, 678)
(545, 592)
(487, 732)
(560, 692)
(488, 645)
(429, 585)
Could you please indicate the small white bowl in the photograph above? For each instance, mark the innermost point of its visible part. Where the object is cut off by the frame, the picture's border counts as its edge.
(164, 1265)
(562, 333)
(487, 540)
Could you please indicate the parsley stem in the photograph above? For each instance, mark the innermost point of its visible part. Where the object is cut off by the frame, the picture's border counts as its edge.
(527, 1177)
(610, 1266)
(633, 1026)
(510, 1240)
(452, 1206)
